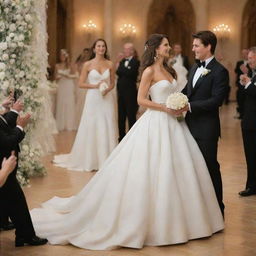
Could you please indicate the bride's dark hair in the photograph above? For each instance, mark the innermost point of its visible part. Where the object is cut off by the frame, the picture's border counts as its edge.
(149, 54)
(92, 53)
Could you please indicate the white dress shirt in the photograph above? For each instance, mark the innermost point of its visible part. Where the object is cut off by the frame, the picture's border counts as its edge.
(199, 71)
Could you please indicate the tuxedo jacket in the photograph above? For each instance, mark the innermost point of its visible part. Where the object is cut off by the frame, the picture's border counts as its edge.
(205, 98)
(249, 117)
(10, 137)
(127, 76)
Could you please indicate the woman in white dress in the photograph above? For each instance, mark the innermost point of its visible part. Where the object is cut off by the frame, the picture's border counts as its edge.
(154, 189)
(65, 105)
(97, 133)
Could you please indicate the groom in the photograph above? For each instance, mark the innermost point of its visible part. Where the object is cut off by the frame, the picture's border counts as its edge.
(206, 89)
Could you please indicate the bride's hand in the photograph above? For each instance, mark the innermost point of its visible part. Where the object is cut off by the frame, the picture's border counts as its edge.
(180, 111)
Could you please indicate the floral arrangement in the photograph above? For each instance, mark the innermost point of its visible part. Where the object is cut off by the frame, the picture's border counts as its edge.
(21, 70)
(177, 101)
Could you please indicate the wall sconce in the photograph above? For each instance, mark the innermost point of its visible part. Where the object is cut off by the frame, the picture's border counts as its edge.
(90, 27)
(222, 31)
(127, 30)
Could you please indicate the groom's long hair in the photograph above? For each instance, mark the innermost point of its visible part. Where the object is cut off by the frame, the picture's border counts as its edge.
(149, 55)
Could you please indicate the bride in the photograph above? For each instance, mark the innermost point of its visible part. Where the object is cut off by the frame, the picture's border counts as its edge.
(97, 133)
(154, 189)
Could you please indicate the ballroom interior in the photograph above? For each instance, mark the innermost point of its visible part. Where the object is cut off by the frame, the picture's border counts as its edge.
(74, 25)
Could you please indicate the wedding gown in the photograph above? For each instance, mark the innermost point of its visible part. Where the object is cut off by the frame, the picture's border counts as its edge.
(154, 189)
(65, 106)
(97, 133)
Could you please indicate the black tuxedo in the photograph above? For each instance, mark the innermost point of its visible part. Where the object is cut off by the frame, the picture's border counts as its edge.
(240, 93)
(12, 199)
(127, 94)
(249, 133)
(203, 121)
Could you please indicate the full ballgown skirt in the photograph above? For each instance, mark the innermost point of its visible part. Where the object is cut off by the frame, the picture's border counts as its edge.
(65, 106)
(154, 189)
(97, 133)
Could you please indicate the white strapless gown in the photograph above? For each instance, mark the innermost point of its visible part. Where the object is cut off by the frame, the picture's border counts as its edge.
(154, 189)
(97, 133)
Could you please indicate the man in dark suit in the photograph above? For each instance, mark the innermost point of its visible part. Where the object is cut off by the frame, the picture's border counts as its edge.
(12, 199)
(242, 67)
(127, 71)
(206, 89)
(249, 124)
(179, 57)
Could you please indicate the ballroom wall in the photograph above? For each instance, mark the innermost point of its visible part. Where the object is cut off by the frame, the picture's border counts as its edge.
(108, 15)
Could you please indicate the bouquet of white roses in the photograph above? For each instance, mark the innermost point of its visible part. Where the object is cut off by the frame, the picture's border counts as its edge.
(177, 101)
(103, 87)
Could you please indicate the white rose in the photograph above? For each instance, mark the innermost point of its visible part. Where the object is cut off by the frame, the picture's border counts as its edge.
(2, 75)
(21, 74)
(3, 46)
(8, 39)
(13, 56)
(12, 61)
(21, 28)
(18, 17)
(13, 45)
(2, 66)
(6, 10)
(11, 35)
(28, 18)
(5, 85)
(5, 56)
(20, 44)
(30, 26)
(12, 27)
(21, 37)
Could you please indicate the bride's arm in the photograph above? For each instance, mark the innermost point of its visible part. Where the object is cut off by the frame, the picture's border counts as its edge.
(144, 87)
(83, 78)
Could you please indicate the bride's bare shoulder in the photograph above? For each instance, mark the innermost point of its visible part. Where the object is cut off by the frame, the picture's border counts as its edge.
(148, 72)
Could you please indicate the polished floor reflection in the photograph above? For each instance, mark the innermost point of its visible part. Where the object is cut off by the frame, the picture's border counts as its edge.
(238, 239)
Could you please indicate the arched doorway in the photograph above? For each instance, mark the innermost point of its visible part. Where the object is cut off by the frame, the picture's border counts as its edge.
(248, 31)
(175, 19)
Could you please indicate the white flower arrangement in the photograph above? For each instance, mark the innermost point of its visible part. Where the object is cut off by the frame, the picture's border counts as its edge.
(20, 69)
(177, 101)
(103, 87)
(205, 72)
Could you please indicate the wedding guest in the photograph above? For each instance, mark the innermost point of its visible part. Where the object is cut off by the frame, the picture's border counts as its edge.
(12, 199)
(65, 105)
(127, 72)
(179, 57)
(249, 124)
(82, 58)
(242, 67)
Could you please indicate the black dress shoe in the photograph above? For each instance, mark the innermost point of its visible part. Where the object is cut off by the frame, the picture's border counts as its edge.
(7, 226)
(247, 192)
(35, 240)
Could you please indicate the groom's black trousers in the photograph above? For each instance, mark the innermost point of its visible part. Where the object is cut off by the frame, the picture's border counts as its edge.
(209, 150)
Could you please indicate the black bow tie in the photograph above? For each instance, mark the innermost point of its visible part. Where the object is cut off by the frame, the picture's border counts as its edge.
(200, 63)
